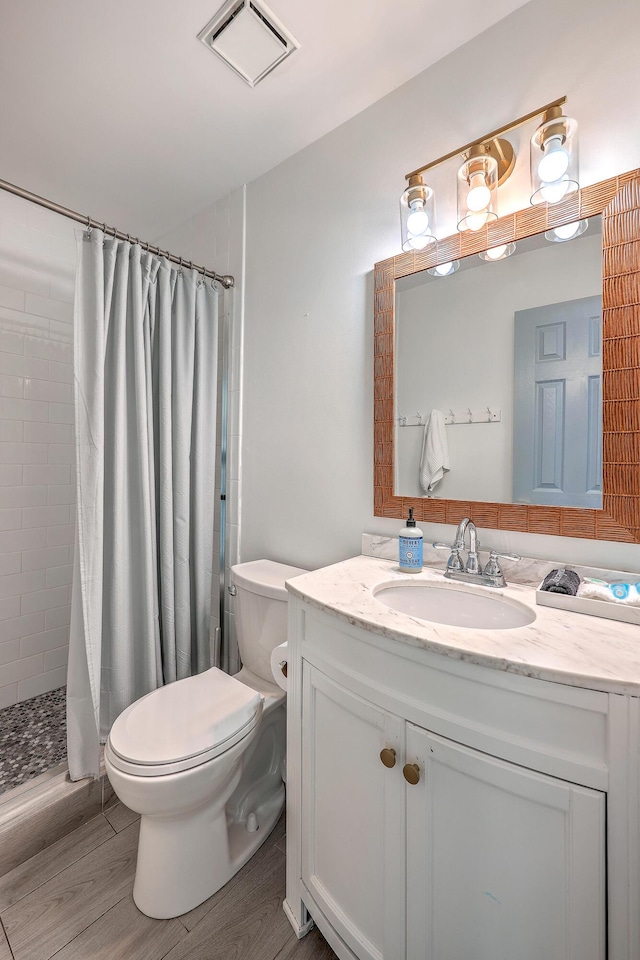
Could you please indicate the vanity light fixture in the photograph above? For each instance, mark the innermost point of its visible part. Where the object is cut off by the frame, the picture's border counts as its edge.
(498, 253)
(554, 157)
(568, 231)
(486, 167)
(486, 164)
(417, 215)
(444, 269)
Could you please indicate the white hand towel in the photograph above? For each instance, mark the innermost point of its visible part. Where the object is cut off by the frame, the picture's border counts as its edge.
(434, 461)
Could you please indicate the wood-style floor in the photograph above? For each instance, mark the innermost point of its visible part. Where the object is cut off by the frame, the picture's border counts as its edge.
(73, 902)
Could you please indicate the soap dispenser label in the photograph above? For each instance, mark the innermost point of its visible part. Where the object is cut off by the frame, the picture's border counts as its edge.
(410, 553)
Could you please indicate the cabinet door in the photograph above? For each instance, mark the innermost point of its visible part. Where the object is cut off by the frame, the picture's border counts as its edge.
(503, 862)
(353, 860)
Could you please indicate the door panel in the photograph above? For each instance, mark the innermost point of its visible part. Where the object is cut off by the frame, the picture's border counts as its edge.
(487, 839)
(548, 459)
(353, 852)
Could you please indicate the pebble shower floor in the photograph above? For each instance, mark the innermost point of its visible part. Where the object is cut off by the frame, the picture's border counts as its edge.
(33, 738)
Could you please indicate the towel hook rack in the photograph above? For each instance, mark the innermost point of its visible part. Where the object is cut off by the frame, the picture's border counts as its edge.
(459, 417)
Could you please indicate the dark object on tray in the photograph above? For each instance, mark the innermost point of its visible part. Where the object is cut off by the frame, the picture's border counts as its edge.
(561, 581)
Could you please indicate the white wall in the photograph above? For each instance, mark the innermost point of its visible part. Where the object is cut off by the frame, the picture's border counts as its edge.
(37, 478)
(317, 223)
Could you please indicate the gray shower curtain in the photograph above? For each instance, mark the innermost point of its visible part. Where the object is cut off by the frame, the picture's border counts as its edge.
(145, 366)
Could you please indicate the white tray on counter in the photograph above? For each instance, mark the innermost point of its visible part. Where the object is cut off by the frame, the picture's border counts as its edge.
(594, 608)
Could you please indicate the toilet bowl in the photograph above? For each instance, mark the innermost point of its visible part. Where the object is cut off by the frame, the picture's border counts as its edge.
(201, 759)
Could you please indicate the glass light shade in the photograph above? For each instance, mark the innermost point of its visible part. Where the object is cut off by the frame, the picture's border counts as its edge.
(494, 254)
(554, 159)
(417, 215)
(568, 231)
(444, 269)
(477, 191)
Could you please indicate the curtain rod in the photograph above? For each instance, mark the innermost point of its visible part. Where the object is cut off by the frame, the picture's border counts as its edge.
(226, 280)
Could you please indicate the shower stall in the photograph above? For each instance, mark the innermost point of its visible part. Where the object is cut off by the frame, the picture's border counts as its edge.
(38, 489)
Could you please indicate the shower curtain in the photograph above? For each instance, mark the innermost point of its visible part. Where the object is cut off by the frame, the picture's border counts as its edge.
(145, 367)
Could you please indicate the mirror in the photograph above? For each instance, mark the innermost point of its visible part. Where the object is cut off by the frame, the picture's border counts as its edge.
(510, 353)
(486, 484)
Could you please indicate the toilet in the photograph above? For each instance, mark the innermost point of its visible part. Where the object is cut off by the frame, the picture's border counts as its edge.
(202, 759)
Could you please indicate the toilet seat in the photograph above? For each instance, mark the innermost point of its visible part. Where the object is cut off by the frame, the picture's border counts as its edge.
(183, 724)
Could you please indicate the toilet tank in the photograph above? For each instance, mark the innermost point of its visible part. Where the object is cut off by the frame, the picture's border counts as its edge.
(260, 611)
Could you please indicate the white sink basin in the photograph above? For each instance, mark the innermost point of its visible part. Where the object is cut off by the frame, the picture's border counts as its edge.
(455, 606)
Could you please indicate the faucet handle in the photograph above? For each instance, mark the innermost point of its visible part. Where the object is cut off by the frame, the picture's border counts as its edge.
(493, 570)
(493, 555)
(454, 562)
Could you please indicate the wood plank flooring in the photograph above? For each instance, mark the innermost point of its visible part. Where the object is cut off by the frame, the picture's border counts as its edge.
(73, 901)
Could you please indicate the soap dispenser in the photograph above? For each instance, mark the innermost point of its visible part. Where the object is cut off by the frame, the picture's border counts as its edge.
(410, 546)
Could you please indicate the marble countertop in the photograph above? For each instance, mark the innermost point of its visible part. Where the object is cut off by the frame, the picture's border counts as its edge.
(558, 646)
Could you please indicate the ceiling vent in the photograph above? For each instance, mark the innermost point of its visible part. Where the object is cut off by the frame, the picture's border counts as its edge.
(248, 37)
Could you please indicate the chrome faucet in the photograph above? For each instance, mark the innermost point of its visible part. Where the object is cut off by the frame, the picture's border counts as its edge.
(471, 571)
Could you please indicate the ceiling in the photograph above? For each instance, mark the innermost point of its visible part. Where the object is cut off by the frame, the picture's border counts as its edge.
(117, 110)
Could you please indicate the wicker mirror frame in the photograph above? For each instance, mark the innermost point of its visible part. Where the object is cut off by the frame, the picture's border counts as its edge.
(618, 200)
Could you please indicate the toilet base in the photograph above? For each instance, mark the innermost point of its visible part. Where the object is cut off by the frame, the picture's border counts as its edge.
(178, 870)
(242, 843)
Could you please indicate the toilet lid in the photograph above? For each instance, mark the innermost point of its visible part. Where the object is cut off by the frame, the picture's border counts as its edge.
(184, 719)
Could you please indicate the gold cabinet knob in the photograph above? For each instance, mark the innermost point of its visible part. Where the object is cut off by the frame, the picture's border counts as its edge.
(411, 773)
(388, 756)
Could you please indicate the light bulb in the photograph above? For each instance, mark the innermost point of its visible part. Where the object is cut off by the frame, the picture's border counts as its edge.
(567, 231)
(443, 269)
(554, 162)
(501, 252)
(554, 192)
(419, 242)
(475, 221)
(479, 195)
(418, 219)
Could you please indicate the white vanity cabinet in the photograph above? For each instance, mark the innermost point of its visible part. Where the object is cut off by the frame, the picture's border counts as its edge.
(498, 859)
(486, 838)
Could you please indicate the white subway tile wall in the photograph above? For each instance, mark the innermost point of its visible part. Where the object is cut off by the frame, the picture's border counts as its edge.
(37, 472)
